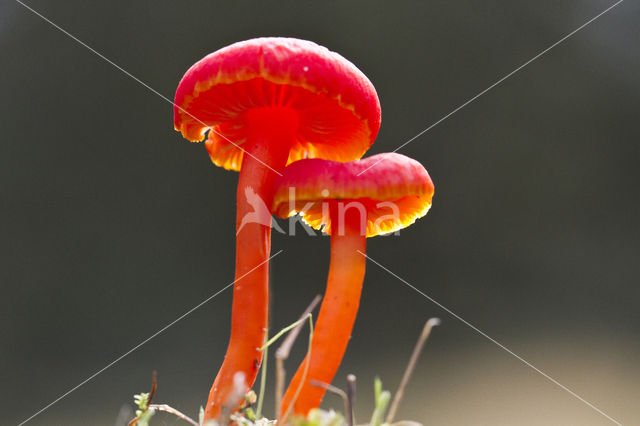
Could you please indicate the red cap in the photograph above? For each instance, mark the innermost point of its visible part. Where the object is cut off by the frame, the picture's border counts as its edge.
(395, 191)
(337, 106)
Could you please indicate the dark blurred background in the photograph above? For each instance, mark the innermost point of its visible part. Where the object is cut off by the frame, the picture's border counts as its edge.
(113, 225)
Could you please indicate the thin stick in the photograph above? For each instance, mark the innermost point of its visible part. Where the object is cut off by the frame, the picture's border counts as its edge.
(410, 367)
(335, 390)
(283, 420)
(285, 348)
(281, 333)
(263, 376)
(152, 392)
(351, 394)
(280, 377)
(154, 386)
(168, 409)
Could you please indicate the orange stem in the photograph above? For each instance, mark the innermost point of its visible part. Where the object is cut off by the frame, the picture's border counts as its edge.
(337, 313)
(271, 134)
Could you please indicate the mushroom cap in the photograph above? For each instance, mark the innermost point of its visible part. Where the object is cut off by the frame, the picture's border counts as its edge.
(338, 107)
(394, 189)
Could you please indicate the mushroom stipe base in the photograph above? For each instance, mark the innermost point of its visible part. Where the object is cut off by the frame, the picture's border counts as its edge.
(383, 413)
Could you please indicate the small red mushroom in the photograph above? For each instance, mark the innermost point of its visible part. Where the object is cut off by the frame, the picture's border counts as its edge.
(267, 102)
(349, 206)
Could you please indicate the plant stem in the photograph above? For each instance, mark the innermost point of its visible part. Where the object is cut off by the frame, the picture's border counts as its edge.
(263, 379)
(426, 331)
(285, 348)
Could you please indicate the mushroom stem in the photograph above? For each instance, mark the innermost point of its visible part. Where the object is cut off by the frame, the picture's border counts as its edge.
(338, 310)
(272, 132)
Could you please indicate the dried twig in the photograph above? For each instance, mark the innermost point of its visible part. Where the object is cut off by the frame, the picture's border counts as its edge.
(285, 348)
(351, 399)
(152, 392)
(280, 377)
(263, 375)
(410, 367)
(154, 385)
(168, 409)
(335, 390)
(285, 416)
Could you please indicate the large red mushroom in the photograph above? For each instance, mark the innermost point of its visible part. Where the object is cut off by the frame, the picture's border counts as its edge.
(265, 103)
(351, 206)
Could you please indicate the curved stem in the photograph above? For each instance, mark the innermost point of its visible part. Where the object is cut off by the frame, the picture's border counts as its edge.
(337, 313)
(271, 133)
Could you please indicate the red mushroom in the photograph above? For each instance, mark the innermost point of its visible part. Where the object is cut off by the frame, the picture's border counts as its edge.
(350, 207)
(267, 102)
